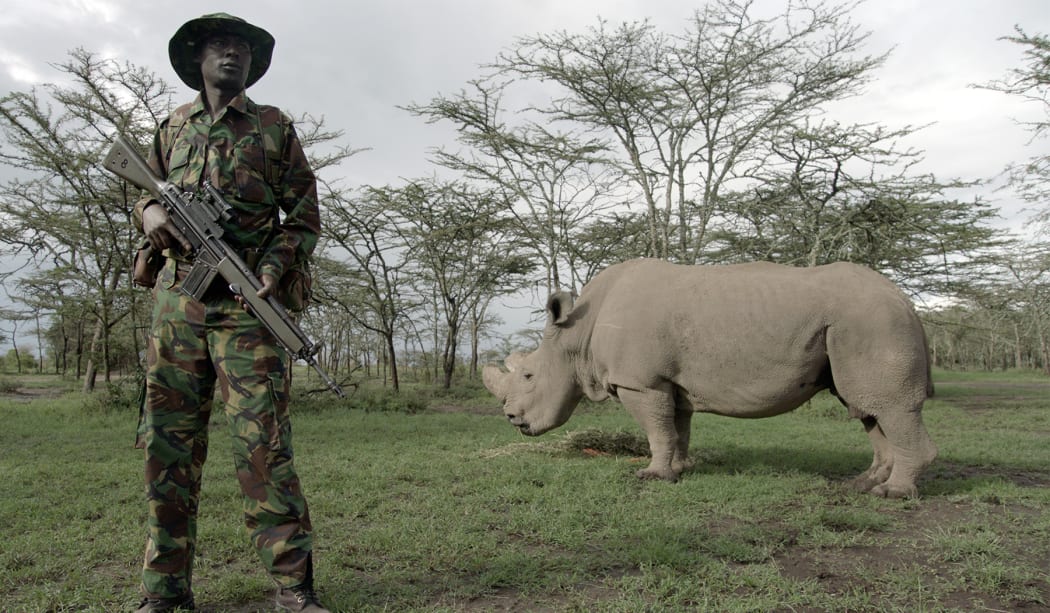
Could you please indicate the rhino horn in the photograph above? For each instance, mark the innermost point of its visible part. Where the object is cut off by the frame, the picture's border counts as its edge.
(495, 381)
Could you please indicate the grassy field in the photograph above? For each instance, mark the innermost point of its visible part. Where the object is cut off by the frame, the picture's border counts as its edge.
(452, 510)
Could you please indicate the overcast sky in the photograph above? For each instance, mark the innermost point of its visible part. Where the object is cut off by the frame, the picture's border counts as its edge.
(354, 62)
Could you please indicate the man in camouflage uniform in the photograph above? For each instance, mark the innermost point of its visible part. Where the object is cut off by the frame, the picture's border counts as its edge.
(250, 153)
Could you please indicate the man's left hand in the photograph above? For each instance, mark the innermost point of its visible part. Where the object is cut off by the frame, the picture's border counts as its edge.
(269, 286)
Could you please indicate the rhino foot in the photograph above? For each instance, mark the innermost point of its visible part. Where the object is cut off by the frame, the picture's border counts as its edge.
(863, 483)
(657, 474)
(679, 466)
(895, 491)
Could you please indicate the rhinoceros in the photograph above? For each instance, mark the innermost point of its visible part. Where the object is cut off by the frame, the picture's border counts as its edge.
(744, 340)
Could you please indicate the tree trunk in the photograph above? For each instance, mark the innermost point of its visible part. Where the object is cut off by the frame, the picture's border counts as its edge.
(1043, 349)
(449, 361)
(39, 346)
(18, 356)
(1018, 358)
(91, 371)
(394, 379)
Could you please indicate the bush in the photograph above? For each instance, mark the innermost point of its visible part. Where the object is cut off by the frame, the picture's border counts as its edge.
(379, 400)
(123, 396)
(9, 386)
(370, 400)
(468, 390)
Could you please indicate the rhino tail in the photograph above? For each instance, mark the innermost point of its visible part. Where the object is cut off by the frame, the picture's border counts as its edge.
(929, 364)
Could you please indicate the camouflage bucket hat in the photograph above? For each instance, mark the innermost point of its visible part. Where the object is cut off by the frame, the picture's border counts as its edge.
(183, 47)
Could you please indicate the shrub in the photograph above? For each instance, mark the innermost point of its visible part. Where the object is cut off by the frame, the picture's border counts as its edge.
(9, 385)
(370, 400)
(122, 396)
(379, 400)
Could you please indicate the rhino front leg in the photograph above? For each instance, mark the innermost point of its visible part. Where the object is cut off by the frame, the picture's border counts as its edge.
(654, 410)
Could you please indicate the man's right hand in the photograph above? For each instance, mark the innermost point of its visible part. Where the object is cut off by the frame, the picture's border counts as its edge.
(162, 234)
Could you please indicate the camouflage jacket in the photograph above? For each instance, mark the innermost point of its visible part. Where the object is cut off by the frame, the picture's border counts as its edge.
(252, 154)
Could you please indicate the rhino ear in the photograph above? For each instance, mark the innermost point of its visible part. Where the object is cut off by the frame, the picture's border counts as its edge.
(559, 305)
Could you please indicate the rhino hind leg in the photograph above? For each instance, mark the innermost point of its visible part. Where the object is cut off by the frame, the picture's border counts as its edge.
(912, 451)
(683, 421)
(902, 448)
(882, 462)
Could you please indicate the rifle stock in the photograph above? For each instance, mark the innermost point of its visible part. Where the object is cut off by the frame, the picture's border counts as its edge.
(196, 216)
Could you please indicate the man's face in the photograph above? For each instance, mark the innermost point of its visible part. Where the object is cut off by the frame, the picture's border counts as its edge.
(225, 60)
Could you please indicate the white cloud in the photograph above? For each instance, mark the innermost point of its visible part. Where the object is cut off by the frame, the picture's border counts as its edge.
(19, 68)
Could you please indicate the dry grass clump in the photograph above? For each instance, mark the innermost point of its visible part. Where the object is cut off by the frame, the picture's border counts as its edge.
(590, 441)
(593, 441)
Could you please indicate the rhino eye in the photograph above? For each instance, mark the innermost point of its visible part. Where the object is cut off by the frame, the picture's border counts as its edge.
(528, 376)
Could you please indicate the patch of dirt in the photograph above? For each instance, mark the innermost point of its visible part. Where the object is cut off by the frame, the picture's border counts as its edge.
(1021, 478)
(449, 408)
(911, 547)
(29, 394)
(998, 392)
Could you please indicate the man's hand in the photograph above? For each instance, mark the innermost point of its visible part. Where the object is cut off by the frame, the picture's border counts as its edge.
(160, 231)
(269, 286)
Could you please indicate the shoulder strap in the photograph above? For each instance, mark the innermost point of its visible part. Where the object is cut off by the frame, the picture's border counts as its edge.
(176, 121)
(270, 122)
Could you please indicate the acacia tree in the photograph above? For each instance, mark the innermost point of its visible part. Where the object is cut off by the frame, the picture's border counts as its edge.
(71, 218)
(691, 113)
(464, 252)
(1031, 82)
(1030, 281)
(553, 182)
(830, 193)
(14, 318)
(64, 212)
(371, 292)
(1004, 321)
(1005, 305)
(1017, 292)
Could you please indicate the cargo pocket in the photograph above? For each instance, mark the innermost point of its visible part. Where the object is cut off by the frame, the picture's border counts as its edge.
(179, 171)
(280, 423)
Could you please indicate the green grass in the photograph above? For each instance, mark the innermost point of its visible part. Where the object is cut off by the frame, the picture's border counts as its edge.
(1012, 375)
(431, 510)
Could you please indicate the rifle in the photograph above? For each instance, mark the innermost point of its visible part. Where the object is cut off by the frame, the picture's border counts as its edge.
(196, 215)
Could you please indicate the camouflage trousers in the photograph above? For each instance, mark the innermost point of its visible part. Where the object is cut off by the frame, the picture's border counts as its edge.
(192, 347)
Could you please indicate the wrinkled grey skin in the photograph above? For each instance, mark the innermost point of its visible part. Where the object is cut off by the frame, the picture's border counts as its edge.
(750, 340)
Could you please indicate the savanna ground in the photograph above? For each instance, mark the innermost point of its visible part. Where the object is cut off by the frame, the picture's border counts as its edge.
(437, 504)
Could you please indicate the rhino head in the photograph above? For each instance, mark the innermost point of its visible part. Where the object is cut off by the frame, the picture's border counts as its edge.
(539, 390)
